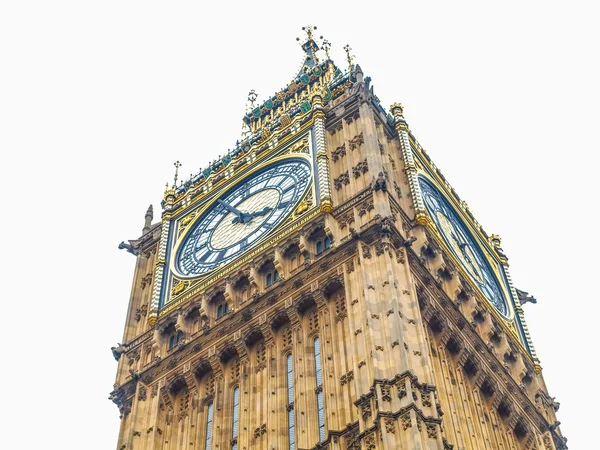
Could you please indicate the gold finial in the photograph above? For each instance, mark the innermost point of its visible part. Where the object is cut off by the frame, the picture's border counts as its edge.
(350, 58)
(309, 32)
(177, 165)
(326, 45)
(397, 110)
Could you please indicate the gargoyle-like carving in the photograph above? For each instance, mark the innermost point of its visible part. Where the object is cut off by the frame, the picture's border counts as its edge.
(379, 183)
(524, 297)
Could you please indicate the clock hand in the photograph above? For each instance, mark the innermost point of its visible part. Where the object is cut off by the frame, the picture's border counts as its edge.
(266, 210)
(241, 217)
(230, 208)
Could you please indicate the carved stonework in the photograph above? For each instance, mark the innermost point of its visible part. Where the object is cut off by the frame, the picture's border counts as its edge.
(390, 426)
(338, 153)
(353, 299)
(361, 168)
(432, 430)
(356, 141)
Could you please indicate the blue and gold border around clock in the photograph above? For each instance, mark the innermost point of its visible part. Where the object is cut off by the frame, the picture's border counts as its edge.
(488, 260)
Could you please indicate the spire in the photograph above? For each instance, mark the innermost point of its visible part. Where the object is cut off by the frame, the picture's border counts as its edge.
(349, 57)
(326, 46)
(148, 219)
(177, 165)
(310, 48)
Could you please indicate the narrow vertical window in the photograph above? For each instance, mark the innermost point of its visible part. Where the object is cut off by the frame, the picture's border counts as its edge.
(319, 390)
(290, 403)
(269, 279)
(236, 418)
(209, 421)
(319, 247)
(327, 242)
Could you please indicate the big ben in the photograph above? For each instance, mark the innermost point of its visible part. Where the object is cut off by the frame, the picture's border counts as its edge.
(322, 285)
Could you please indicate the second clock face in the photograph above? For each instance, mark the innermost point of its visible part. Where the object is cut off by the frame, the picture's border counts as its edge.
(463, 245)
(242, 216)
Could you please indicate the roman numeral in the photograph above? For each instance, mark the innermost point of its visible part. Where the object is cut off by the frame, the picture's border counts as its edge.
(287, 189)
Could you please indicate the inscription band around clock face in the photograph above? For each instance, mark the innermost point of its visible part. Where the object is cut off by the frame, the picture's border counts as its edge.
(242, 216)
(463, 245)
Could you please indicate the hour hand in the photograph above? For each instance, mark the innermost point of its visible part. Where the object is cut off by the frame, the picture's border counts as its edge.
(266, 210)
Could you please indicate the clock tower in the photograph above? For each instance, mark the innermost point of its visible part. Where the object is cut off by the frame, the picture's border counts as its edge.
(324, 286)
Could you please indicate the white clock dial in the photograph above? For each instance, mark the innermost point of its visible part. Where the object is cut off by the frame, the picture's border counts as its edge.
(463, 246)
(242, 216)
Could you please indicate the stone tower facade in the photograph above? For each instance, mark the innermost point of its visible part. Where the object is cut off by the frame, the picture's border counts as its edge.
(373, 312)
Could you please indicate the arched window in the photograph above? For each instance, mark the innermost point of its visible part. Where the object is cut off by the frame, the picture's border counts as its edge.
(222, 309)
(236, 419)
(209, 422)
(323, 244)
(175, 339)
(272, 277)
(319, 390)
(290, 403)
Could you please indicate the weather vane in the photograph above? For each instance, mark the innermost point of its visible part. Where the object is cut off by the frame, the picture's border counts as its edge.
(347, 49)
(326, 45)
(309, 32)
(177, 165)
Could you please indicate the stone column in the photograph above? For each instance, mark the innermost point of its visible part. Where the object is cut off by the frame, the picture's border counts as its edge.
(421, 215)
(161, 259)
(322, 159)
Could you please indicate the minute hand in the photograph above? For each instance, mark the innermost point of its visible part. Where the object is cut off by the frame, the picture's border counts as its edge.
(227, 206)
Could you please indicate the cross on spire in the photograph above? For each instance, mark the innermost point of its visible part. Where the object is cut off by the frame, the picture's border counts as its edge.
(347, 49)
(177, 165)
(252, 96)
(326, 45)
(309, 32)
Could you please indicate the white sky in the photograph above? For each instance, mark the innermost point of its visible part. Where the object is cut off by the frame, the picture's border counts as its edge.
(98, 99)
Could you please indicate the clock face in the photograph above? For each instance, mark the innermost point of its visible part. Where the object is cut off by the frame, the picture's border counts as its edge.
(463, 245)
(242, 216)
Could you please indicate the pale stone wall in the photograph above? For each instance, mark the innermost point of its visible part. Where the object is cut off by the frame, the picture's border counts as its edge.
(411, 356)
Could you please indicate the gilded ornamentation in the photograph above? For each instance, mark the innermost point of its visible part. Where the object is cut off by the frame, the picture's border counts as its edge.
(179, 287)
(185, 222)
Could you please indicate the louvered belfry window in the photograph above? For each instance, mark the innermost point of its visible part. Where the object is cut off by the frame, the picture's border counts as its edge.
(236, 418)
(319, 390)
(290, 403)
(209, 422)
